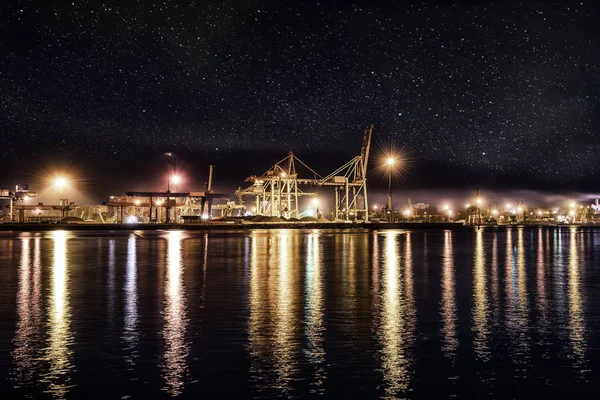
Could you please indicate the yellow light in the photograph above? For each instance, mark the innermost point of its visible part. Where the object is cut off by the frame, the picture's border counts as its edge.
(159, 202)
(478, 201)
(508, 205)
(60, 182)
(137, 202)
(467, 205)
(571, 212)
(572, 204)
(283, 174)
(495, 212)
(315, 201)
(540, 212)
(391, 161)
(446, 207)
(175, 179)
(520, 208)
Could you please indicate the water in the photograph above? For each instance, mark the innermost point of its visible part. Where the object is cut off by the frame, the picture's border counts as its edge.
(511, 313)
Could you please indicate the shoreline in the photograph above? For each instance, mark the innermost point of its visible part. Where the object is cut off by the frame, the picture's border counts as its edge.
(36, 227)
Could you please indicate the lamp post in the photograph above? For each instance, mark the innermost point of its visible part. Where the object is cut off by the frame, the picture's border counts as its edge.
(60, 182)
(390, 164)
(175, 179)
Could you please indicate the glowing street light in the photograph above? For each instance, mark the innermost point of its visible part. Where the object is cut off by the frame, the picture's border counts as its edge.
(60, 182)
(478, 201)
(137, 202)
(175, 180)
(391, 161)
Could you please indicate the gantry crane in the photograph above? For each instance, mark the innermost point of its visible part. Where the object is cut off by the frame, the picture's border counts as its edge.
(276, 192)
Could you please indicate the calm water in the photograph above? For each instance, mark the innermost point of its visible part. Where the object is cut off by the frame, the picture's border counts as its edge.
(285, 313)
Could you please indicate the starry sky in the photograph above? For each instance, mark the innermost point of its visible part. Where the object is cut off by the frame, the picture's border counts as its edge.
(503, 95)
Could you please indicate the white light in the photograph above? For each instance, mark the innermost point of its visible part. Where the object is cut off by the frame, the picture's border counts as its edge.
(175, 179)
(132, 219)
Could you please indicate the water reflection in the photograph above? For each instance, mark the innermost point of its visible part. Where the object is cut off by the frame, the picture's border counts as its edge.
(176, 349)
(448, 302)
(480, 301)
(284, 343)
(495, 284)
(395, 332)
(130, 292)
(517, 309)
(110, 287)
(28, 334)
(314, 313)
(542, 300)
(577, 319)
(58, 351)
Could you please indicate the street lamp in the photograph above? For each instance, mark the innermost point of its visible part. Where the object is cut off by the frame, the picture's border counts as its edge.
(175, 180)
(61, 183)
(391, 161)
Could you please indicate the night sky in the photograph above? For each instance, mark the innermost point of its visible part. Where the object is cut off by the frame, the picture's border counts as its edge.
(502, 96)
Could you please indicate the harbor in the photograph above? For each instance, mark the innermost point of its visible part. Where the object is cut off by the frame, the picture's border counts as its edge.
(291, 194)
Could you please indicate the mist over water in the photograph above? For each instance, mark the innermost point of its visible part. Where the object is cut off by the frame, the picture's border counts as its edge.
(300, 313)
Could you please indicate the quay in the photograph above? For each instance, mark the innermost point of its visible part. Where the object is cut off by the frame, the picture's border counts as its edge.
(37, 227)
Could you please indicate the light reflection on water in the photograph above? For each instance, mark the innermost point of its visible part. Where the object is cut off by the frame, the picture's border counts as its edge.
(577, 319)
(175, 320)
(480, 301)
(130, 294)
(395, 332)
(284, 342)
(314, 314)
(29, 332)
(58, 352)
(314, 308)
(448, 300)
(272, 322)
